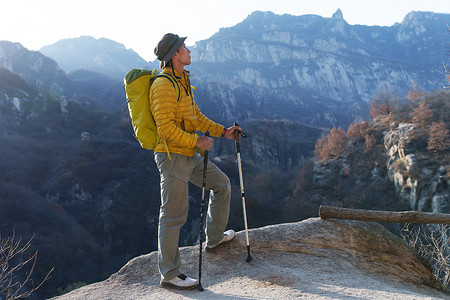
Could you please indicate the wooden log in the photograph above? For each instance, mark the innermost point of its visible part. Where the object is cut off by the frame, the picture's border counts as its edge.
(327, 212)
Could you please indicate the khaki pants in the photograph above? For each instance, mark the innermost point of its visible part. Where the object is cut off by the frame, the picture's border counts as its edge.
(175, 174)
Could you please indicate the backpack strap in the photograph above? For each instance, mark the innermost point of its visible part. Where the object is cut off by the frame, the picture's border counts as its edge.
(174, 83)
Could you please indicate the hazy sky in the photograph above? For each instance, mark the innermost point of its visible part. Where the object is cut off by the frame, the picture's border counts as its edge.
(139, 24)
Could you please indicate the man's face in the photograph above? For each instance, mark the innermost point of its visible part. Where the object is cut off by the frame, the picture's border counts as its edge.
(183, 55)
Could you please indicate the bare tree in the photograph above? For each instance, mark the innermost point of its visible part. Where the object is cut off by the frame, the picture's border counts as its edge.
(432, 243)
(16, 260)
(415, 93)
(384, 103)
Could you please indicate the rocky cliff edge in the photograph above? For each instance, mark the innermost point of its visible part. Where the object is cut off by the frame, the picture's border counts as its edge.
(312, 259)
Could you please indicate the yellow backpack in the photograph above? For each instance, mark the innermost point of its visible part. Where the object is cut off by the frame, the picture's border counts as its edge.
(137, 84)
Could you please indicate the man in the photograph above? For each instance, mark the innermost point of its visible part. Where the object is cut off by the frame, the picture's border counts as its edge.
(179, 162)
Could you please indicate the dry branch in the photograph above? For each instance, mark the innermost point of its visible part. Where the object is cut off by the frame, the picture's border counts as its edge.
(327, 212)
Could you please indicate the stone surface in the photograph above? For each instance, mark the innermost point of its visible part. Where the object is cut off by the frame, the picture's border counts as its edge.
(424, 190)
(313, 259)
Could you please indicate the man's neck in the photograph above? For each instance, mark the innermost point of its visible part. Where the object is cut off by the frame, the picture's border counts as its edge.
(178, 67)
(179, 70)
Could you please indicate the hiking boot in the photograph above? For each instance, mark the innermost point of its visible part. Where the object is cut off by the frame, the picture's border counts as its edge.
(228, 236)
(181, 282)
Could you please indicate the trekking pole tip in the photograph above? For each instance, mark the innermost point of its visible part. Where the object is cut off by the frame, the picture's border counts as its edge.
(249, 257)
(199, 287)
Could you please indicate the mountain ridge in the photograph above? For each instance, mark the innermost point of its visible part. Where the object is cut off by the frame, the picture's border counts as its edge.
(307, 65)
(311, 66)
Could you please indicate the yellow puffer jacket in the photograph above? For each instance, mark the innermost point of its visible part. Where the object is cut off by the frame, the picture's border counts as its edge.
(177, 122)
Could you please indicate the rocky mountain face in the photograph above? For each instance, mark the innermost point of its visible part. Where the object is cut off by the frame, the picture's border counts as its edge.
(93, 89)
(34, 67)
(19, 99)
(422, 183)
(312, 69)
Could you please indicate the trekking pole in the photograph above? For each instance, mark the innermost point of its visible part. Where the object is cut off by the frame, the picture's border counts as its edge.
(238, 151)
(202, 212)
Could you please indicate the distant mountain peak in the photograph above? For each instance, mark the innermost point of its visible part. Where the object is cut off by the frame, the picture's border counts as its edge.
(416, 18)
(99, 55)
(261, 14)
(337, 23)
(338, 15)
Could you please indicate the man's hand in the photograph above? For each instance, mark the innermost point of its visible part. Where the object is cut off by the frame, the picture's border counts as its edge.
(205, 143)
(230, 132)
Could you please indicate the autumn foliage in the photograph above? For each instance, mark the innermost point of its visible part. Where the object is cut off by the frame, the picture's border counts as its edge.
(357, 130)
(370, 141)
(331, 145)
(335, 143)
(439, 139)
(421, 114)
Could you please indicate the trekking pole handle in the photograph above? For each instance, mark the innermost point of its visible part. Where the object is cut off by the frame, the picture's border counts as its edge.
(236, 138)
(238, 132)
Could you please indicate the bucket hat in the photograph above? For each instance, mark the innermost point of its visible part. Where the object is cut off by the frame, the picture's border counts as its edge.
(167, 47)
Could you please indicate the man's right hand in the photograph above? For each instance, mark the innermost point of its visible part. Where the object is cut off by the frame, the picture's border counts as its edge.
(204, 143)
